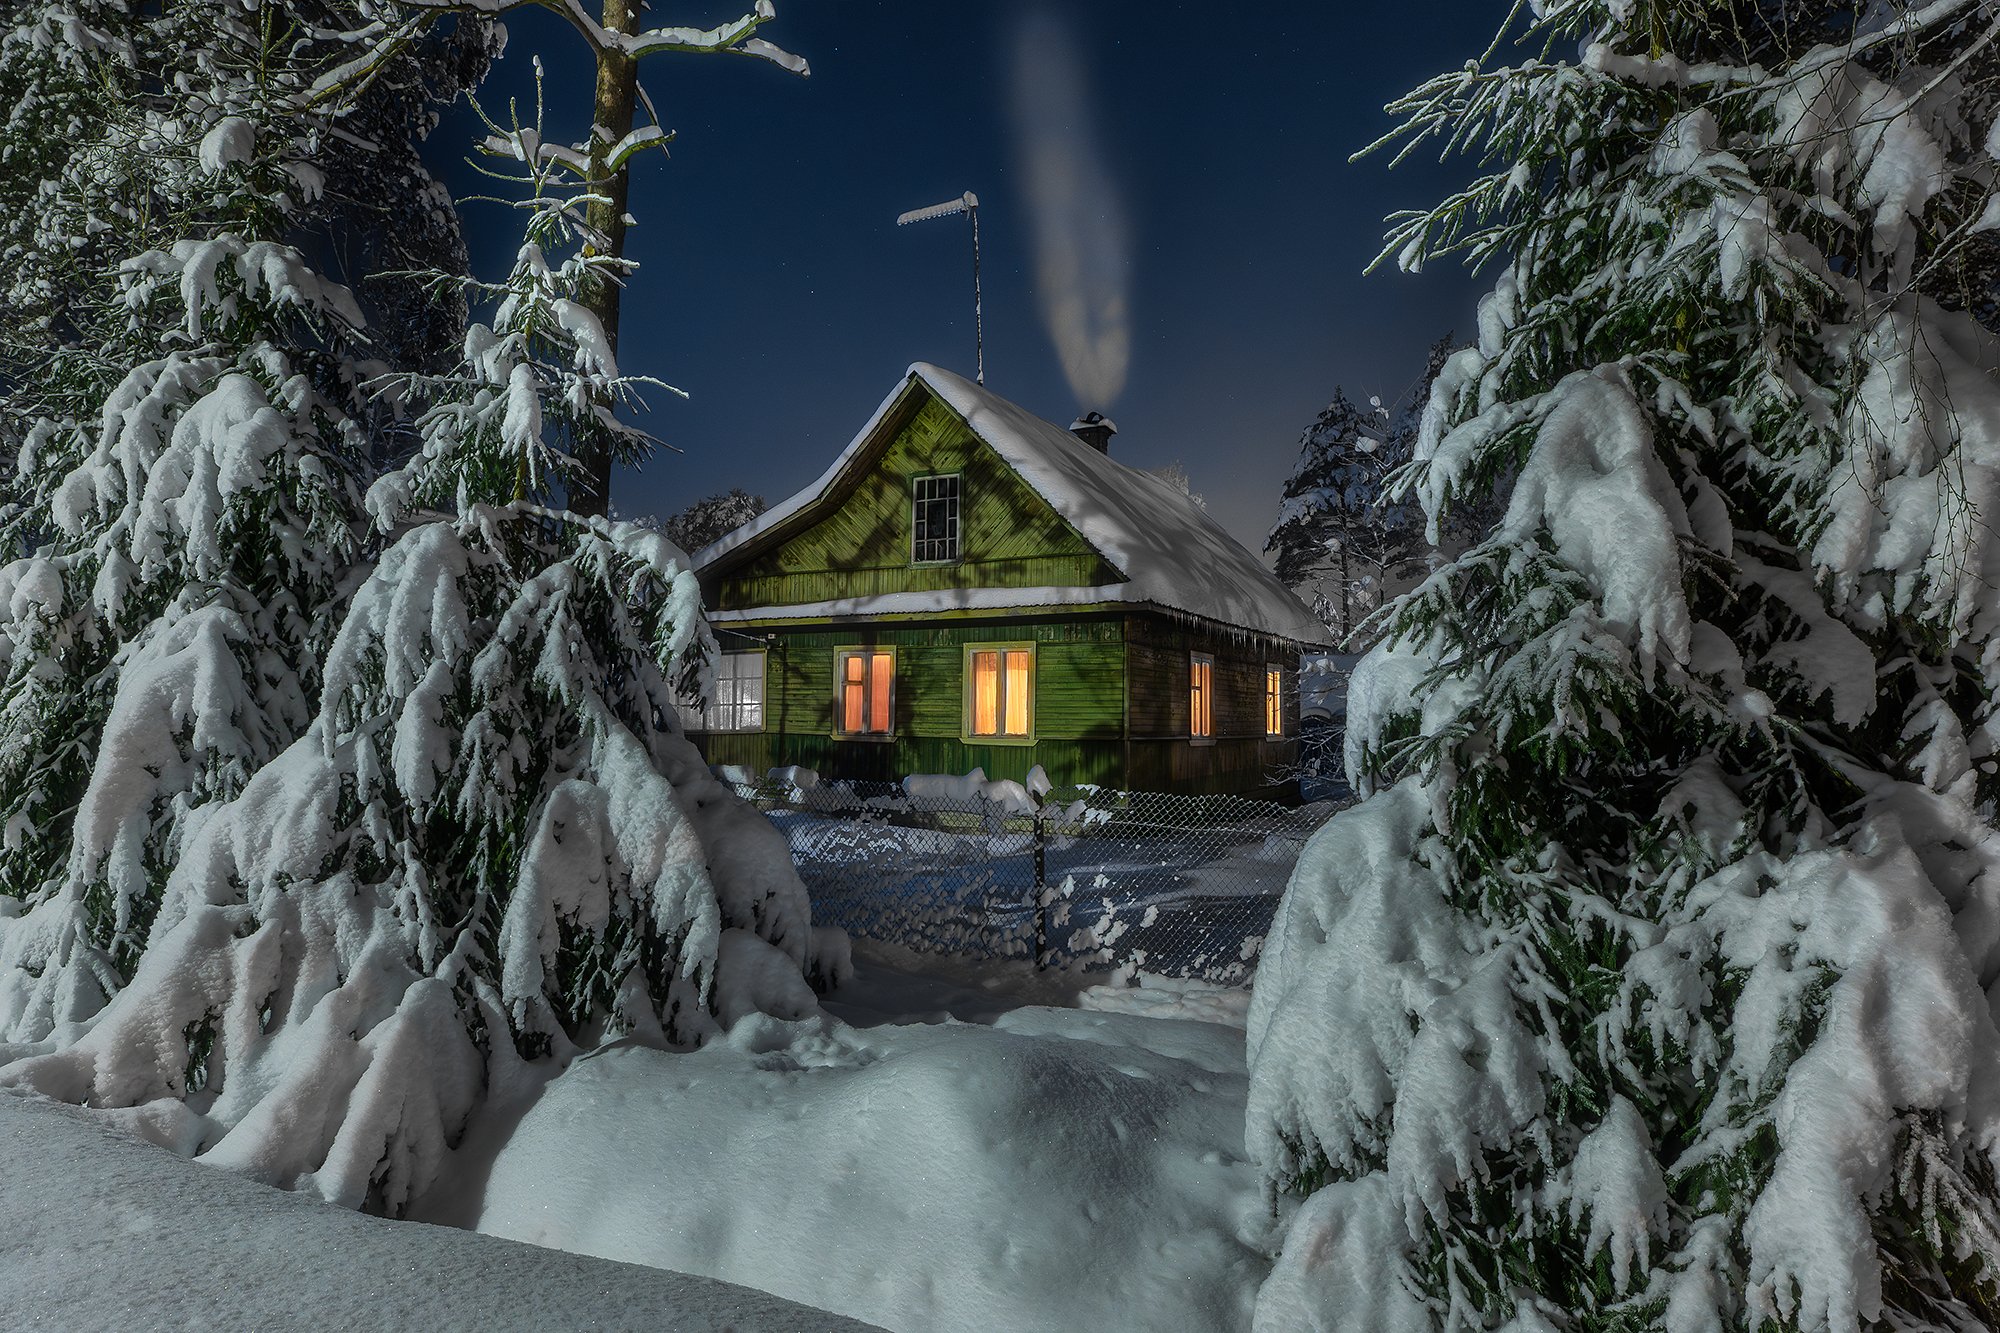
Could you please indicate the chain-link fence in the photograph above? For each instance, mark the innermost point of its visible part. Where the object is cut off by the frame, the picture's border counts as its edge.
(1180, 886)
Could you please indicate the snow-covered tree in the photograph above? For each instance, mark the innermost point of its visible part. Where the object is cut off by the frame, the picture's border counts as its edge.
(599, 164)
(1473, 518)
(383, 223)
(322, 813)
(711, 517)
(183, 402)
(1648, 986)
(1339, 538)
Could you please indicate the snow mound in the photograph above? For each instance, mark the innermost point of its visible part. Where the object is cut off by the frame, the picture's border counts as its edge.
(1065, 1170)
(127, 1235)
(1172, 997)
(974, 790)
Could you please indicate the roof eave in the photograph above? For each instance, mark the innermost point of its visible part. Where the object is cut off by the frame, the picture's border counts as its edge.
(815, 613)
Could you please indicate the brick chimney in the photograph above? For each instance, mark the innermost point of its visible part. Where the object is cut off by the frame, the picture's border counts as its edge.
(1095, 429)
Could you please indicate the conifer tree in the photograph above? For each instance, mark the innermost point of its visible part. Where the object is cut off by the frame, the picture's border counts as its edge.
(325, 810)
(383, 224)
(184, 403)
(711, 518)
(1339, 536)
(1648, 985)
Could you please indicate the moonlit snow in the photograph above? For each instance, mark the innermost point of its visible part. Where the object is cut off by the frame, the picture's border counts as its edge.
(126, 1235)
(1038, 1167)
(1055, 1169)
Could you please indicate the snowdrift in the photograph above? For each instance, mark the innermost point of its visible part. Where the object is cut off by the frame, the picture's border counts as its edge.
(127, 1235)
(1059, 1170)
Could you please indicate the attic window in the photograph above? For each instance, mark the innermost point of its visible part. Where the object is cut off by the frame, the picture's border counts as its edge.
(934, 520)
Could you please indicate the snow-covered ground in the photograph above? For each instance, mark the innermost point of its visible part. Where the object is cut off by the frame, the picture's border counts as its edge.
(1054, 1168)
(106, 1232)
(1142, 894)
(984, 1147)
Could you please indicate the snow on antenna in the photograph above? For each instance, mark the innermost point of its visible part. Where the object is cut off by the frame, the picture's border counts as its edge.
(968, 204)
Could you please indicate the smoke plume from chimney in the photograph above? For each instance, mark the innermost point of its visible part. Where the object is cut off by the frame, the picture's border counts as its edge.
(1082, 270)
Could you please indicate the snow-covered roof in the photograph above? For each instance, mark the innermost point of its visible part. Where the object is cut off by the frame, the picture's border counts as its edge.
(930, 600)
(1171, 553)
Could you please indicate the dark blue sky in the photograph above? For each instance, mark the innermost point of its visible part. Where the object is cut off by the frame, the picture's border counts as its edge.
(777, 290)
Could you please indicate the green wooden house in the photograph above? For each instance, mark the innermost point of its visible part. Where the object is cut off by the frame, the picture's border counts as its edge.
(970, 585)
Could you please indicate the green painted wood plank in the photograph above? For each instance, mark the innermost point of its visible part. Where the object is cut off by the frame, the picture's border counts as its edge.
(860, 545)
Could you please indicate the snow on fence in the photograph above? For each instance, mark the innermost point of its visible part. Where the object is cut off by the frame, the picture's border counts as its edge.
(1176, 886)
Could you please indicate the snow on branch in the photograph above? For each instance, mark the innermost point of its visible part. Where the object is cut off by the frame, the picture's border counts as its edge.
(1664, 935)
(737, 37)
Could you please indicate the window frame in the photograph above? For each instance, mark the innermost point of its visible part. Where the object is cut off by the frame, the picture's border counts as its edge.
(966, 733)
(710, 713)
(868, 652)
(1207, 695)
(1274, 701)
(957, 480)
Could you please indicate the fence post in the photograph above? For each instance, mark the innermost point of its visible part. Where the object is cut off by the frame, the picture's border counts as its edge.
(1041, 893)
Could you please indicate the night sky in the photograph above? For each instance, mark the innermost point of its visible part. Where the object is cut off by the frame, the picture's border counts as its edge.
(777, 290)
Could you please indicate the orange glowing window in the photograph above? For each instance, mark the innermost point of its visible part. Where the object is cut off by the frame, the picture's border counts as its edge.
(1274, 701)
(865, 679)
(1201, 696)
(1001, 684)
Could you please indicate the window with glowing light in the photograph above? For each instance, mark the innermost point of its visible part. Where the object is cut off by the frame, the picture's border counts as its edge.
(864, 701)
(1274, 701)
(1000, 691)
(1201, 696)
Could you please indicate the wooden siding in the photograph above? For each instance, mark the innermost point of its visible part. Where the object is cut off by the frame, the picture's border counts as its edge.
(1111, 683)
(860, 545)
(1082, 666)
(1100, 762)
(1239, 757)
(1079, 701)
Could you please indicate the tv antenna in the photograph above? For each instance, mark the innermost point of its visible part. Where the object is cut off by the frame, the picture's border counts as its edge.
(968, 204)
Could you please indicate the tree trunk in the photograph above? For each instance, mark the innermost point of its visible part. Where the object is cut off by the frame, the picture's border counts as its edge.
(1346, 595)
(617, 97)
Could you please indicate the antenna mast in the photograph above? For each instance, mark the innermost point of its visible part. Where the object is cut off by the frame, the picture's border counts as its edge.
(968, 204)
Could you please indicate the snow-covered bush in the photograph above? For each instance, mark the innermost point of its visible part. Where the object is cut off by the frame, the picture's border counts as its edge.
(482, 833)
(1648, 986)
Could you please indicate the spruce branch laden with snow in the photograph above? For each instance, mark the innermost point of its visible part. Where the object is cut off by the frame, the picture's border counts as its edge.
(1648, 986)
